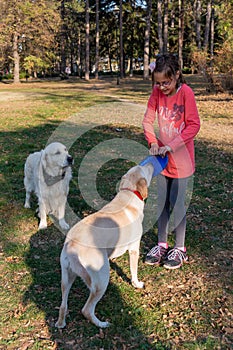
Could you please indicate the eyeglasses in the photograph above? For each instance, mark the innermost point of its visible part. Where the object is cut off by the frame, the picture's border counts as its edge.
(164, 83)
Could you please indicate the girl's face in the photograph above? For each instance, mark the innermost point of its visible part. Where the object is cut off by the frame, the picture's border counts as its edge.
(166, 85)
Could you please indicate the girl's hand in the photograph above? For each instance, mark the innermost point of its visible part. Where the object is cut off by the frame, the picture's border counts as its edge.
(154, 149)
(163, 150)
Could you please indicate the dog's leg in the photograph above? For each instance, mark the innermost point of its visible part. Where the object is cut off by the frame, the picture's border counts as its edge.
(63, 224)
(29, 188)
(43, 216)
(99, 283)
(27, 199)
(68, 278)
(61, 217)
(133, 259)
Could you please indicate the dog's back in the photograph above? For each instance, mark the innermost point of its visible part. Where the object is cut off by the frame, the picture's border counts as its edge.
(114, 228)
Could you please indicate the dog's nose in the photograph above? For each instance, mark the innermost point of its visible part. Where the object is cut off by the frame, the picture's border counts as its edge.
(70, 160)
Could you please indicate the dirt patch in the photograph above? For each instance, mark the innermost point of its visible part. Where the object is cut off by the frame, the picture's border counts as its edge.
(16, 96)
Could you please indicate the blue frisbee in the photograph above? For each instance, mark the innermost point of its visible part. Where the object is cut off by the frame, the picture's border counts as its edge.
(159, 163)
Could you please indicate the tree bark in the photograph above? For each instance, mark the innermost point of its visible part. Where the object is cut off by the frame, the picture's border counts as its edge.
(212, 36)
(63, 39)
(122, 70)
(198, 23)
(97, 41)
(131, 43)
(181, 32)
(87, 65)
(16, 58)
(79, 63)
(207, 26)
(165, 27)
(160, 26)
(147, 41)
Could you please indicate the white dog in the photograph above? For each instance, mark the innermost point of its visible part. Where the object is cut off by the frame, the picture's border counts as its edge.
(104, 235)
(47, 173)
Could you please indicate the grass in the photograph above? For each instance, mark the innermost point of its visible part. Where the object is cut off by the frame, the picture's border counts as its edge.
(186, 309)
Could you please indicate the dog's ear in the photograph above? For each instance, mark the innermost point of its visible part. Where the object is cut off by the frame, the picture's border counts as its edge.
(43, 158)
(142, 187)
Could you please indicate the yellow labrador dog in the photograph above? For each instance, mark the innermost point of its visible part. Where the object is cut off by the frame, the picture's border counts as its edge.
(104, 235)
(47, 173)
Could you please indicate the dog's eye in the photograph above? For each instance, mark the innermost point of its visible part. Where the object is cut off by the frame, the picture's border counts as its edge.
(58, 152)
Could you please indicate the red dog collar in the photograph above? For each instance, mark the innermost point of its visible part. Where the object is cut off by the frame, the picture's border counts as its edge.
(138, 194)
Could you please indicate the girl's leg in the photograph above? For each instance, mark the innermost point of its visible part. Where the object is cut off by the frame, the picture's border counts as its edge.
(177, 201)
(163, 185)
(177, 256)
(158, 253)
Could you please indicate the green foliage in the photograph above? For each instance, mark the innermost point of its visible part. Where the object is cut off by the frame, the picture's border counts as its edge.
(224, 58)
(224, 11)
(43, 31)
(35, 23)
(34, 64)
(200, 58)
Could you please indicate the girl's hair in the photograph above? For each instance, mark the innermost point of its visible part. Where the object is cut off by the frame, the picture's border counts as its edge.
(169, 65)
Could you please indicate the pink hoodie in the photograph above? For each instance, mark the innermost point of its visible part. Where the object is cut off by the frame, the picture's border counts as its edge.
(178, 123)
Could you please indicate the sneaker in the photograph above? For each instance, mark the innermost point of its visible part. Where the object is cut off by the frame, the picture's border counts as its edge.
(156, 255)
(175, 259)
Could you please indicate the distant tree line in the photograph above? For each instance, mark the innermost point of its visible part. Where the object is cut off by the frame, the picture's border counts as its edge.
(92, 37)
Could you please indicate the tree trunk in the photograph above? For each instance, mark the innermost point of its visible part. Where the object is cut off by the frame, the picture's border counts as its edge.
(165, 27)
(122, 68)
(131, 51)
(147, 41)
(63, 39)
(212, 36)
(16, 58)
(207, 25)
(198, 23)
(97, 42)
(160, 26)
(87, 65)
(79, 65)
(181, 32)
(131, 43)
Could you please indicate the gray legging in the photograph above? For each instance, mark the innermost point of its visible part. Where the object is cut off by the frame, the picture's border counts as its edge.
(171, 199)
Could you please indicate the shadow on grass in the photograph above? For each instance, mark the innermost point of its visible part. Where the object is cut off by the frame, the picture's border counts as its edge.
(43, 261)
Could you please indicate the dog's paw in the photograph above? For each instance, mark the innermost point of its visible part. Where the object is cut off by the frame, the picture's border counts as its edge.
(91, 317)
(42, 226)
(103, 324)
(138, 284)
(63, 224)
(27, 205)
(59, 324)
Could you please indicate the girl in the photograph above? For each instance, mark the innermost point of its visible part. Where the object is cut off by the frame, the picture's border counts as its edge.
(173, 103)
